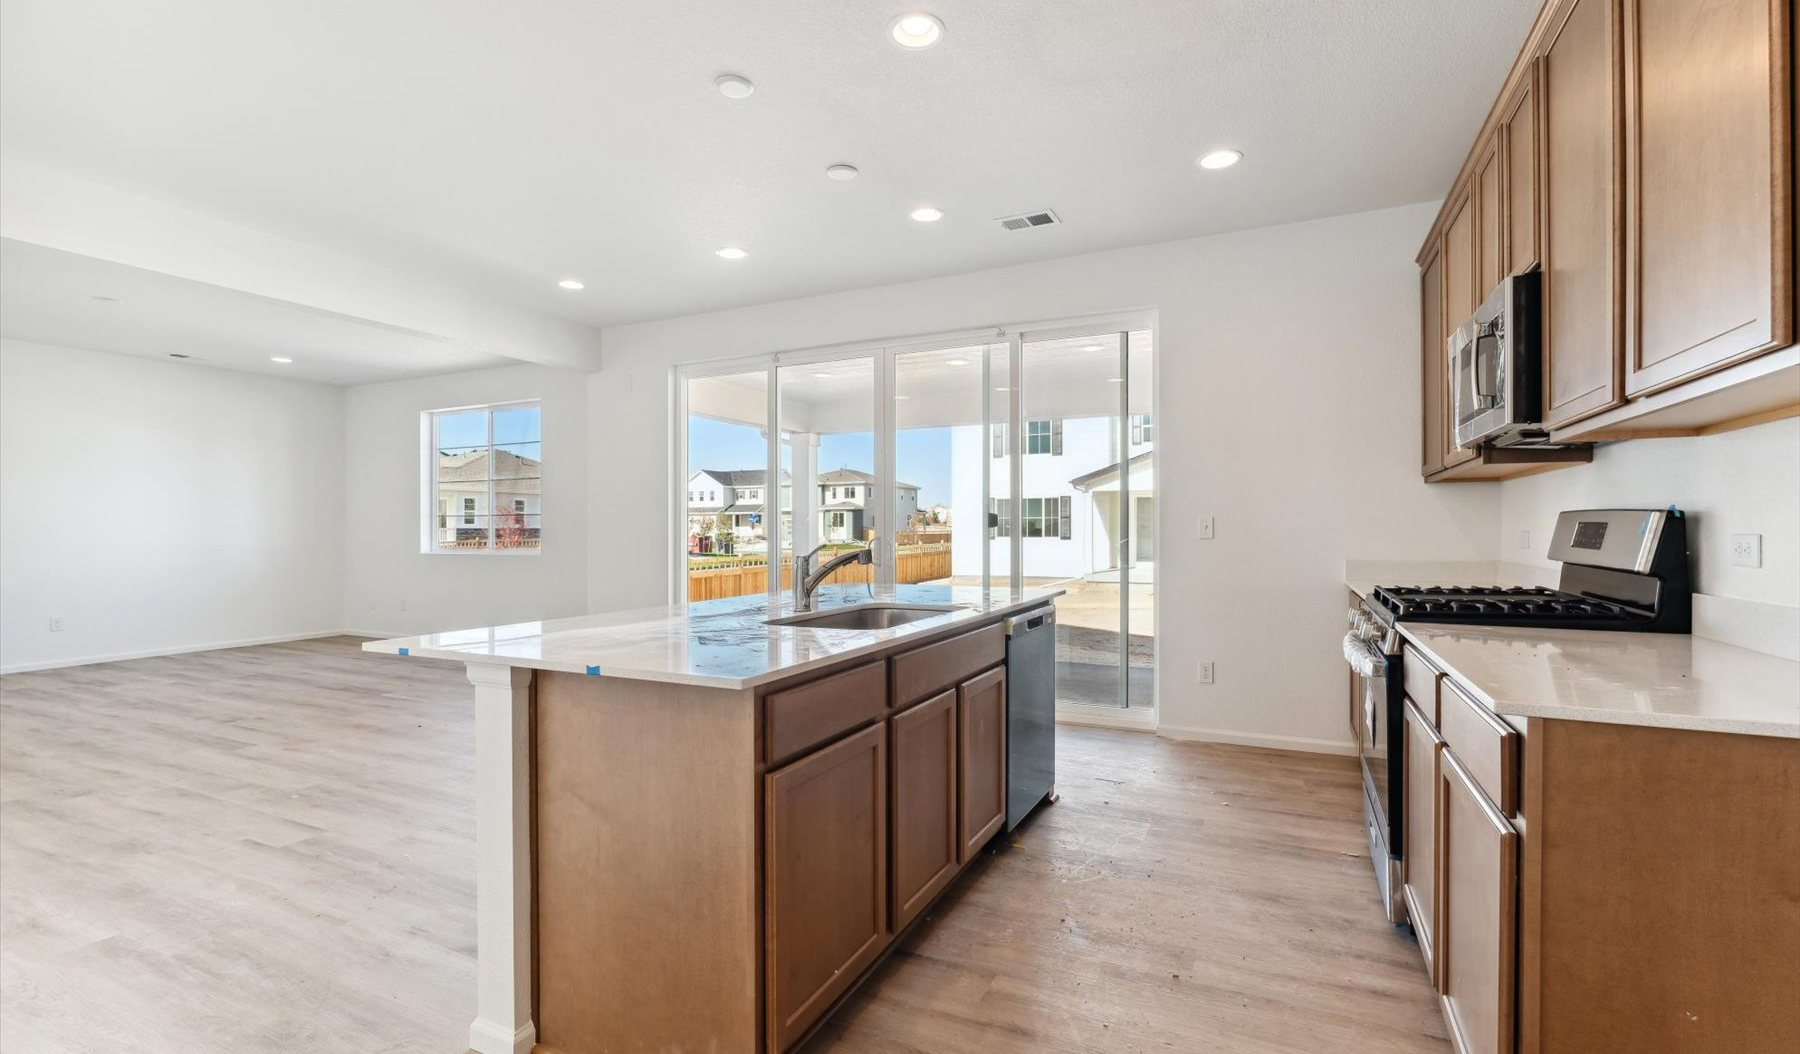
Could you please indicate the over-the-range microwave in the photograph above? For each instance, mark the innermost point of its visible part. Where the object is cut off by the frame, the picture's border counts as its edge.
(1496, 368)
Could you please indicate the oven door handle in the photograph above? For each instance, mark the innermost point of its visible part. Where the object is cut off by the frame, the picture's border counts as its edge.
(1360, 656)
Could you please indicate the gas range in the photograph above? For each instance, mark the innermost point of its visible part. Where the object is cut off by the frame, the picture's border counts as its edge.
(1508, 606)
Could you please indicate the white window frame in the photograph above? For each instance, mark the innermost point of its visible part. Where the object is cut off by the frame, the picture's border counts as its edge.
(429, 482)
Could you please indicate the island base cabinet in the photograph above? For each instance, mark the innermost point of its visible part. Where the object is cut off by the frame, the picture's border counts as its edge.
(925, 850)
(981, 704)
(825, 890)
(1477, 913)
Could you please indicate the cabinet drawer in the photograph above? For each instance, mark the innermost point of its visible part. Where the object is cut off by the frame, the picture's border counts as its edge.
(1421, 680)
(935, 667)
(797, 719)
(1487, 746)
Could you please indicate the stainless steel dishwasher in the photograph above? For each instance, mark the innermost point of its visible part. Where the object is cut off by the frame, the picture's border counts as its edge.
(1030, 712)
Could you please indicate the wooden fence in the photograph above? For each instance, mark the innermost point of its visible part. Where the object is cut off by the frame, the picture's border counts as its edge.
(923, 563)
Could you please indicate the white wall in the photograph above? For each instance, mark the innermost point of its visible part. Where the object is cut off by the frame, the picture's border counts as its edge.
(1288, 387)
(1741, 482)
(393, 589)
(157, 506)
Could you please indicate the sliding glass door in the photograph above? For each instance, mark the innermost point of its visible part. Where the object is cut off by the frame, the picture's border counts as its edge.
(1008, 460)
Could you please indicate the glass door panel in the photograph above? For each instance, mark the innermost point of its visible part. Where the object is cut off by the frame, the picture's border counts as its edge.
(828, 432)
(940, 451)
(727, 548)
(1139, 625)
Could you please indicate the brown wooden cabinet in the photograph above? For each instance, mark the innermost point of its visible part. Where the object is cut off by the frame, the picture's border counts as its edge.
(925, 848)
(1477, 913)
(1523, 180)
(825, 884)
(1582, 252)
(1433, 357)
(981, 706)
(1419, 865)
(1460, 301)
(1707, 186)
(1490, 239)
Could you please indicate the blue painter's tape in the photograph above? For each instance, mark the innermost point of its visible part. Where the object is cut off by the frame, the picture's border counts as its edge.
(593, 671)
(406, 651)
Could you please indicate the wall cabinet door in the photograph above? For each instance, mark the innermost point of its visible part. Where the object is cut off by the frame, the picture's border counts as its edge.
(982, 769)
(825, 878)
(1433, 391)
(1419, 868)
(1582, 208)
(1477, 911)
(925, 848)
(1523, 201)
(1490, 265)
(1707, 190)
(1460, 301)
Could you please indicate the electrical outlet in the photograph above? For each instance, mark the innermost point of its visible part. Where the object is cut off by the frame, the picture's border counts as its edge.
(1206, 528)
(1206, 673)
(56, 623)
(1746, 550)
(1524, 539)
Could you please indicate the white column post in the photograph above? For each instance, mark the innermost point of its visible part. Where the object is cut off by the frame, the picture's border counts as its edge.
(805, 447)
(502, 1022)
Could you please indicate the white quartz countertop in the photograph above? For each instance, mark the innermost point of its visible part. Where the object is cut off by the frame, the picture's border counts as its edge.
(714, 643)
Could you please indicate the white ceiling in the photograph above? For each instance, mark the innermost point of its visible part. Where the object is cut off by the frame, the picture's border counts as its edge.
(503, 146)
(47, 295)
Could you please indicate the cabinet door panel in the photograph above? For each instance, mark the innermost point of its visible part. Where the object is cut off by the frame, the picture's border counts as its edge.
(1707, 185)
(1522, 197)
(1434, 395)
(925, 848)
(982, 731)
(1582, 213)
(1419, 868)
(825, 878)
(1489, 266)
(1477, 911)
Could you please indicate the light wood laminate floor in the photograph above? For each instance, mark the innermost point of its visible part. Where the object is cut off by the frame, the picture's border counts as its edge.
(270, 849)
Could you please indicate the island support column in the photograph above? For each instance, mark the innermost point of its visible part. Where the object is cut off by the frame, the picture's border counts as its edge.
(503, 1022)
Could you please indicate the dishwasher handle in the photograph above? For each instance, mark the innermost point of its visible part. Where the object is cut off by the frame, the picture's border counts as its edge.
(1025, 622)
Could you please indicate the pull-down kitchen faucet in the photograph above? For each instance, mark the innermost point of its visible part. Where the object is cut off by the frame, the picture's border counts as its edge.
(807, 579)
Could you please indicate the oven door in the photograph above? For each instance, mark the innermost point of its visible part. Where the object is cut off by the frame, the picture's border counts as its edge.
(1381, 773)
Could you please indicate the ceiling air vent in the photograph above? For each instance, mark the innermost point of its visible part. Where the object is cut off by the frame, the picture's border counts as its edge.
(1025, 220)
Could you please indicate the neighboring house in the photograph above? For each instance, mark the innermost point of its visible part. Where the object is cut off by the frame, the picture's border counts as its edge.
(1069, 518)
(462, 494)
(740, 495)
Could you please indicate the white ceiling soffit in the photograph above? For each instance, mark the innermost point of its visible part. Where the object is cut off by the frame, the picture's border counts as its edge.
(505, 146)
(54, 297)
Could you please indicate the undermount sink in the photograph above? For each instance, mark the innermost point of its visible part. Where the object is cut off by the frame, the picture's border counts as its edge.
(865, 616)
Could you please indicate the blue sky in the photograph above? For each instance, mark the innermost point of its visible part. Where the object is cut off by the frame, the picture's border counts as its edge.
(515, 429)
(922, 457)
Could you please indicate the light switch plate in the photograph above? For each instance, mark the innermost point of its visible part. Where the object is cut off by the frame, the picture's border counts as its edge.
(1746, 550)
(1524, 539)
(1206, 528)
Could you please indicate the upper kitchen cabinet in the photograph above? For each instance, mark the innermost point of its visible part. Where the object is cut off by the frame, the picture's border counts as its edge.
(1433, 359)
(1639, 155)
(1707, 190)
(1583, 212)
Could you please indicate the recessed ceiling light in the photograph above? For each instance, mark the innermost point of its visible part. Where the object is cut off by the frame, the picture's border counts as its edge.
(1003, 388)
(927, 214)
(821, 376)
(916, 29)
(956, 362)
(1115, 380)
(1220, 159)
(731, 252)
(572, 283)
(841, 172)
(1093, 347)
(899, 397)
(733, 86)
(283, 359)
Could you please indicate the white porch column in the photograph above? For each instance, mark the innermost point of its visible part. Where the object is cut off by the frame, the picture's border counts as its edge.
(503, 1022)
(805, 447)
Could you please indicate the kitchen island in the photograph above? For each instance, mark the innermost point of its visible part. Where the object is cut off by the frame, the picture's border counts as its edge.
(699, 827)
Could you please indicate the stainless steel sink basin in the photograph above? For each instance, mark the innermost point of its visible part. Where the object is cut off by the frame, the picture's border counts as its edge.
(865, 616)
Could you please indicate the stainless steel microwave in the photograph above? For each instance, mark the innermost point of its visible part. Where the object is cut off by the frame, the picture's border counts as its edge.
(1495, 368)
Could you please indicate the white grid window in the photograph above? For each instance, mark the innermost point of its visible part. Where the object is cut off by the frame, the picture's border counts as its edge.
(486, 463)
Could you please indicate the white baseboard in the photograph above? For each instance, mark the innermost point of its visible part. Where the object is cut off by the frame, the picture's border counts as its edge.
(186, 649)
(1257, 739)
(491, 1037)
(1136, 719)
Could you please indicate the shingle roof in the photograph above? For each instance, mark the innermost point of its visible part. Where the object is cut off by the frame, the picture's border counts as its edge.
(473, 465)
(851, 475)
(742, 477)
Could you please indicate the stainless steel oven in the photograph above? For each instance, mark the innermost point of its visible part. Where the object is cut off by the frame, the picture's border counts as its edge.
(1372, 648)
(1495, 368)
